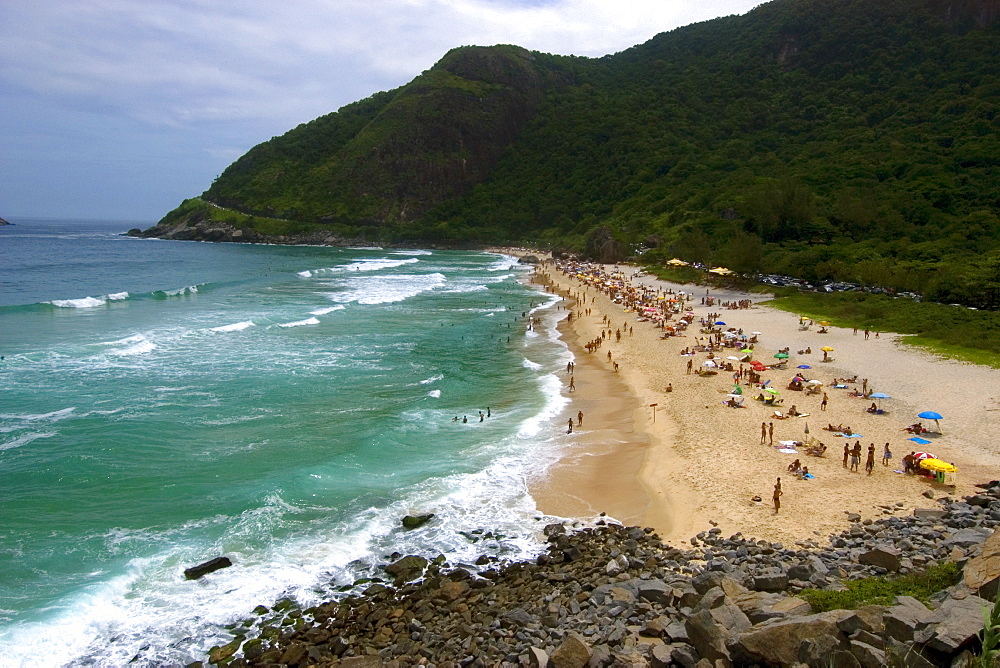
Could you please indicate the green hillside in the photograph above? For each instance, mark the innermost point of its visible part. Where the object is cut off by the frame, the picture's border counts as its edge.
(825, 139)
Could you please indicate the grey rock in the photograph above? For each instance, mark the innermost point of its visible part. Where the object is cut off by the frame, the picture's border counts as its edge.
(953, 625)
(882, 557)
(902, 619)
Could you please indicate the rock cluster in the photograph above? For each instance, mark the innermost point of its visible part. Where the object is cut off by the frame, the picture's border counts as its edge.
(611, 595)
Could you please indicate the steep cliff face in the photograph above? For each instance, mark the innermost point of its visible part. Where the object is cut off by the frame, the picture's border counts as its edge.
(389, 159)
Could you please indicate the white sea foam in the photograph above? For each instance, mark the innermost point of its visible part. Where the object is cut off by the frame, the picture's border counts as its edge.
(555, 402)
(432, 379)
(85, 302)
(300, 323)
(328, 309)
(54, 416)
(24, 439)
(235, 327)
(434, 393)
(412, 252)
(387, 289)
(118, 296)
(368, 264)
(139, 348)
(528, 364)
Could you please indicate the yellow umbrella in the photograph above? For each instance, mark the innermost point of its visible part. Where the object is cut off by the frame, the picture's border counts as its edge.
(827, 349)
(721, 271)
(824, 323)
(677, 262)
(937, 465)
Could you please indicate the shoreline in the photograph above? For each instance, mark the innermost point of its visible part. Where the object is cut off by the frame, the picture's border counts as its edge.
(701, 465)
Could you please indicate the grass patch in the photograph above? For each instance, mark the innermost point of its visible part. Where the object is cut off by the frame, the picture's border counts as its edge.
(881, 591)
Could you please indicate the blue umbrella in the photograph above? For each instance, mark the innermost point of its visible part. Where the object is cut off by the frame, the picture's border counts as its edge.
(921, 441)
(881, 395)
(720, 323)
(803, 366)
(931, 415)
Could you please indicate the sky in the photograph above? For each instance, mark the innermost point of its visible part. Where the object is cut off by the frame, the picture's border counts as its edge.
(121, 109)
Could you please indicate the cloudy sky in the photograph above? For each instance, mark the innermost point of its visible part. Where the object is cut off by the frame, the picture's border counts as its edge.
(119, 109)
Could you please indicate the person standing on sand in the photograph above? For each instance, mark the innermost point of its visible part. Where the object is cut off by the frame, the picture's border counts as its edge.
(763, 433)
(776, 497)
(847, 453)
(856, 456)
(690, 364)
(886, 455)
(770, 433)
(572, 384)
(870, 462)
(822, 404)
(569, 426)
(579, 419)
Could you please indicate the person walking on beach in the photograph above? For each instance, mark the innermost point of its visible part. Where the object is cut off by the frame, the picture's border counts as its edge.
(770, 433)
(690, 364)
(569, 426)
(763, 433)
(856, 456)
(776, 497)
(572, 384)
(870, 462)
(886, 455)
(579, 419)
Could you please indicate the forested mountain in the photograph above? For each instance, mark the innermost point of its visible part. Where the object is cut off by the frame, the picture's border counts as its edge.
(843, 139)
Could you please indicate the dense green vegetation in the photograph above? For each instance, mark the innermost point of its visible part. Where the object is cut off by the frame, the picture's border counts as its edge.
(824, 139)
(880, 590)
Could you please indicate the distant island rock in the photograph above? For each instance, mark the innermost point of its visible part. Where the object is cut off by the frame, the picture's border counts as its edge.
(4, 222)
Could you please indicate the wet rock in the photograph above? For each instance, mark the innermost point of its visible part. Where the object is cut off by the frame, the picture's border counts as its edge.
(210, 566)
(416, 521)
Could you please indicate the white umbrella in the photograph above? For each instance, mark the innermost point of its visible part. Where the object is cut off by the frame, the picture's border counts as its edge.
(708, 363)
(734, 358)
(814, 383)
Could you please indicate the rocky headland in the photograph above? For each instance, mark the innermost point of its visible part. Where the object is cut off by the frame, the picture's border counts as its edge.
(611, 595)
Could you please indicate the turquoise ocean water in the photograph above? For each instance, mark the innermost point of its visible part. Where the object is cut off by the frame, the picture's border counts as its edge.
(163, 403)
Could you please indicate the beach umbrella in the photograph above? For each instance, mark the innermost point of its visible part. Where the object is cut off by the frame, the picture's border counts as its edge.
(934, 464)
(747, 350)
(771, 390)
(807, 427)
(814, 383)
(827, 349)
(756, 333)
(803, 366)
(921, 441)
(781, 356)
(880, 395)
(917, 456)
(757, 366)
(824, 323)
(733, 357)
(931, 415)
(709, 363)
(719, 322)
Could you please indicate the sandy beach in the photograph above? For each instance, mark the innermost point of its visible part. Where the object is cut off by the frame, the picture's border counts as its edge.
(701, 463)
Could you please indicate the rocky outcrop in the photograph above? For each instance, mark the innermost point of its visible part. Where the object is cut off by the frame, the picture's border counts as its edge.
(610, 595)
